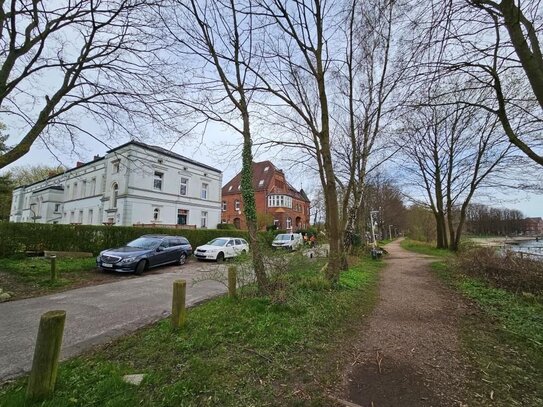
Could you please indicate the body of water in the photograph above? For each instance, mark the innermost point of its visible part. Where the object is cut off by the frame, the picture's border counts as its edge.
(527, 246)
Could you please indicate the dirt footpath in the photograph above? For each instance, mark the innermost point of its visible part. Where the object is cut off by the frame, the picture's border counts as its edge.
(408, 353)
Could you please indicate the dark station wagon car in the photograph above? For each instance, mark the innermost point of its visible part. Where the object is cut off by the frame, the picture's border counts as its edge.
(145, 252)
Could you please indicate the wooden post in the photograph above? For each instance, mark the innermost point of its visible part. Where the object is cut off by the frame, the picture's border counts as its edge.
(179, 313)
(232, 281)
(53, 267)
(43, 375)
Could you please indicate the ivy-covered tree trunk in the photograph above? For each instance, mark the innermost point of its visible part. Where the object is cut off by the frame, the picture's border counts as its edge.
(249, 207)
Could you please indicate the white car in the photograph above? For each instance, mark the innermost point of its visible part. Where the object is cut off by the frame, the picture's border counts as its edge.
(222, 248)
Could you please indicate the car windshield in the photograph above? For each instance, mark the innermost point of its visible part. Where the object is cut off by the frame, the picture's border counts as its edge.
(282, 237)
(218, 242)
(144, 242)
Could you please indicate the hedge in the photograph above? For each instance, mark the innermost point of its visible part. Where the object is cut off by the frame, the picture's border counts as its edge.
(20, 237)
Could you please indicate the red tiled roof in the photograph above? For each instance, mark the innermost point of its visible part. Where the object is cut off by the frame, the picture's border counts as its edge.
(260, 174)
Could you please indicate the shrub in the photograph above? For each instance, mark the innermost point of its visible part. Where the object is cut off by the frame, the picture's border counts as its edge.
(226, 226)
(506, 270)
(20, 237)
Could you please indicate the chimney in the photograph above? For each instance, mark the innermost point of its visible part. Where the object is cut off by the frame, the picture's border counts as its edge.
(79, 164)
(96, 157)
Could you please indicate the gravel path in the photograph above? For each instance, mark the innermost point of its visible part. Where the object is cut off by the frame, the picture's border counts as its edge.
(407, 354)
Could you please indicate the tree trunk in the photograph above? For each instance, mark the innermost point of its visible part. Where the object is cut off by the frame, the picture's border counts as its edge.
(249, 208)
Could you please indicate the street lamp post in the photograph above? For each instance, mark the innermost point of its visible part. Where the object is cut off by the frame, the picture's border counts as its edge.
(373, 227)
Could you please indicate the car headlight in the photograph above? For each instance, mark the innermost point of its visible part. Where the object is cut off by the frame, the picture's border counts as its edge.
(128, 260)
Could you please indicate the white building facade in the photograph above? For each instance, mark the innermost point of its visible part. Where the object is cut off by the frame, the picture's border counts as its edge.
(133, 184)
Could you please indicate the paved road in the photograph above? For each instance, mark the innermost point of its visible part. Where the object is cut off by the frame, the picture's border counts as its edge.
(96, 314)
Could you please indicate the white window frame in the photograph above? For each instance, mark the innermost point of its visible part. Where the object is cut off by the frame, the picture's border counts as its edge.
(184, 186)
(204, 191)
(156, 214)
(90, 216)
(116, 166)
(203, 220)
(237, 205)
(158, 179)
(224, 206)
(92, 187)
(114, 195)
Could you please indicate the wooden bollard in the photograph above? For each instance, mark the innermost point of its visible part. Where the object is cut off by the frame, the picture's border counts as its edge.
(232, 281)
(53, 260)
(43, 375)
(179, 312)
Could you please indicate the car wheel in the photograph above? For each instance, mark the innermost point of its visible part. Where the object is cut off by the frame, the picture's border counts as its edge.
(182, 259)
(220, 257)
(141, 266)
(244, 252)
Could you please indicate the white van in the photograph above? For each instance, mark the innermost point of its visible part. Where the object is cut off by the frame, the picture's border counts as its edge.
(288, 241)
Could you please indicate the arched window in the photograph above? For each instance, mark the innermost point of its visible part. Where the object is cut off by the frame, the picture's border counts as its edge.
(156, 214)
(114, 194)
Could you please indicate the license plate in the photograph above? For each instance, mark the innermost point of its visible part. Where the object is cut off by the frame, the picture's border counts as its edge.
(107, 265)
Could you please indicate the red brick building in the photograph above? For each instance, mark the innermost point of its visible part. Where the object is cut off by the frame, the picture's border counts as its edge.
(532, 226)
(277, 202)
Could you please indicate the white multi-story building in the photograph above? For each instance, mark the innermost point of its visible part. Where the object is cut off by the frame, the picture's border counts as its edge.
(135, 183)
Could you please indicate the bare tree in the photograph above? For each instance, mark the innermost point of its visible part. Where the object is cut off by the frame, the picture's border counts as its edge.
(455, 150)
(524, 32)
(496, 47)
(370, 82)
(295, 53)
(485, 220)
(68, 59)
(219, 34)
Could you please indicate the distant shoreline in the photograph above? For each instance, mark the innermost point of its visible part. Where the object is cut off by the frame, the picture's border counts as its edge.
(500, 240)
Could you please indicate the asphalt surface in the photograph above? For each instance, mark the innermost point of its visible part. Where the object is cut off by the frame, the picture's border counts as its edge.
(97, 314)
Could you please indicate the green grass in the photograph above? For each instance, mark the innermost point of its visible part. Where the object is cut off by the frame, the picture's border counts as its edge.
(244, 352)
(384, 241)
(31, 276)
(503, 342)
(424, 248)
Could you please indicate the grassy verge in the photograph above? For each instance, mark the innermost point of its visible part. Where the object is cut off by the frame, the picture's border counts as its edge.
(28, 277)
(242, 352)
(503, 342)
(424, 248)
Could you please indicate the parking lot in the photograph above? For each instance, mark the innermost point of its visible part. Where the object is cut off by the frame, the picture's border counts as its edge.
(96, 314)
